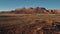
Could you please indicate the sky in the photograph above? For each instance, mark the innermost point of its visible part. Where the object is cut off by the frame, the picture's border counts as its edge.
(6, 5)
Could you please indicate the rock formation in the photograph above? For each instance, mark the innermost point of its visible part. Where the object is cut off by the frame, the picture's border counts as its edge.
(37, 10)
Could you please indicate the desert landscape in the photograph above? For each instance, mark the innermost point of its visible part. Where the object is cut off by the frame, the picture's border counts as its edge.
(30, 21)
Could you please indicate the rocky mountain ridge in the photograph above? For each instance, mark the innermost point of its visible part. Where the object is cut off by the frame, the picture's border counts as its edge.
(37, 10)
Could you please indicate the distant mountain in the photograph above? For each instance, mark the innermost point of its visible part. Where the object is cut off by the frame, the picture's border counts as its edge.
(37, 10)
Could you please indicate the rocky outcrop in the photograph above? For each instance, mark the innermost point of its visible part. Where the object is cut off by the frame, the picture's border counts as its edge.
(31, 10)
(37, 10)
(57, 11)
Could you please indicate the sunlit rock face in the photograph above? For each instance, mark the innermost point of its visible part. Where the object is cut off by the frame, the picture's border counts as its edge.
(40, 10)
(37, 10)
(57, 11)
(20, 10)
(30, 10)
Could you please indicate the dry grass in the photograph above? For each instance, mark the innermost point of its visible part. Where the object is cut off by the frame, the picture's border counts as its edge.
(22, 22)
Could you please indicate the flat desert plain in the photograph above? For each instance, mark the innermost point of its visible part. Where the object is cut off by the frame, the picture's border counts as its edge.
(29, 23)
